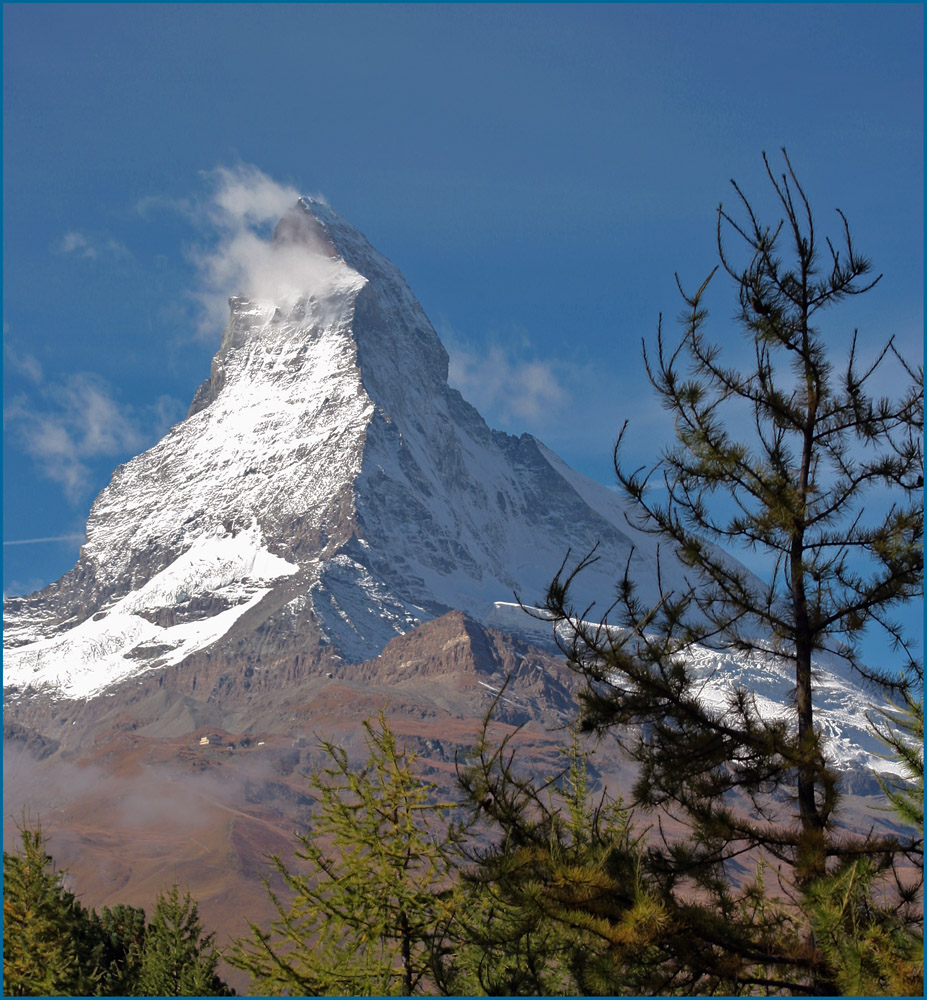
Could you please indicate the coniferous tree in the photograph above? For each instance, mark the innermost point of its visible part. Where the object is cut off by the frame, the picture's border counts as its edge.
(872, 948)
(43, 925)
(54, 946)
(368, 906)
(177, 958)
(901, 729)
(554, 903)
(794, 458)
(120, 933)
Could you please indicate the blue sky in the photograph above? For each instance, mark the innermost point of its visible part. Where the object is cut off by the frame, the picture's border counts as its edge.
(538, 173)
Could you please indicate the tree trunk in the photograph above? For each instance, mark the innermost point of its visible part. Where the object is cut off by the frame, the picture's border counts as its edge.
(406, 942)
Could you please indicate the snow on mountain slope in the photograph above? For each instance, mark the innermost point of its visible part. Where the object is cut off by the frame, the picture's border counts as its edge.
(842, 707)
(120, 641)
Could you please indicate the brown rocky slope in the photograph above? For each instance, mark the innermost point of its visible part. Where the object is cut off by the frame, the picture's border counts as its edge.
(132, 800)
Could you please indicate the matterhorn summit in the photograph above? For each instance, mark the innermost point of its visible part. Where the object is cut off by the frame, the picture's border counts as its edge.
(327, 489)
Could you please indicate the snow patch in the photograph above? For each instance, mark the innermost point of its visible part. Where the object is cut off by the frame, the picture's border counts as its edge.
(119, 643)
(842, 706)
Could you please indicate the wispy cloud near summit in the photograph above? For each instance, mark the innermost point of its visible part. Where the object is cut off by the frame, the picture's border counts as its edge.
(239, 258)
(245, 197)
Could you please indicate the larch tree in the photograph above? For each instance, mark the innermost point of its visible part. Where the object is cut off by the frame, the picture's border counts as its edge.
(54, 946)
(794, 457)
(367, 909)
(550, 900)
(120, 931)
(901, 729)
(870, 944)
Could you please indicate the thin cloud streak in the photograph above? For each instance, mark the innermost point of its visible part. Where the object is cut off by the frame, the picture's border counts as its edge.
(53, 538)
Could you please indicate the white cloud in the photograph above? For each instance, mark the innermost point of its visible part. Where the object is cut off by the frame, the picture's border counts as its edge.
(241, 259)
(76, 420)
(91, 247)
(573, 404)
(235, 255)
(21, 361)
(154, 203)
(499, 381)
(246, 196)
(75, 243)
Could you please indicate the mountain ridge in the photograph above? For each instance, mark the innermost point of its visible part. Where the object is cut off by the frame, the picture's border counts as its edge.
(331, 533)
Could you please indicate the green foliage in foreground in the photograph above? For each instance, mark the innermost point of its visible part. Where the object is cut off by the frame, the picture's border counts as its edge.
(368, 911)
(54, 946)
(902, 732)
(528, 886)
(41, 923)
(553, 901)
(540, 888)
(177, 958)
(784, 450)
(866, 941)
